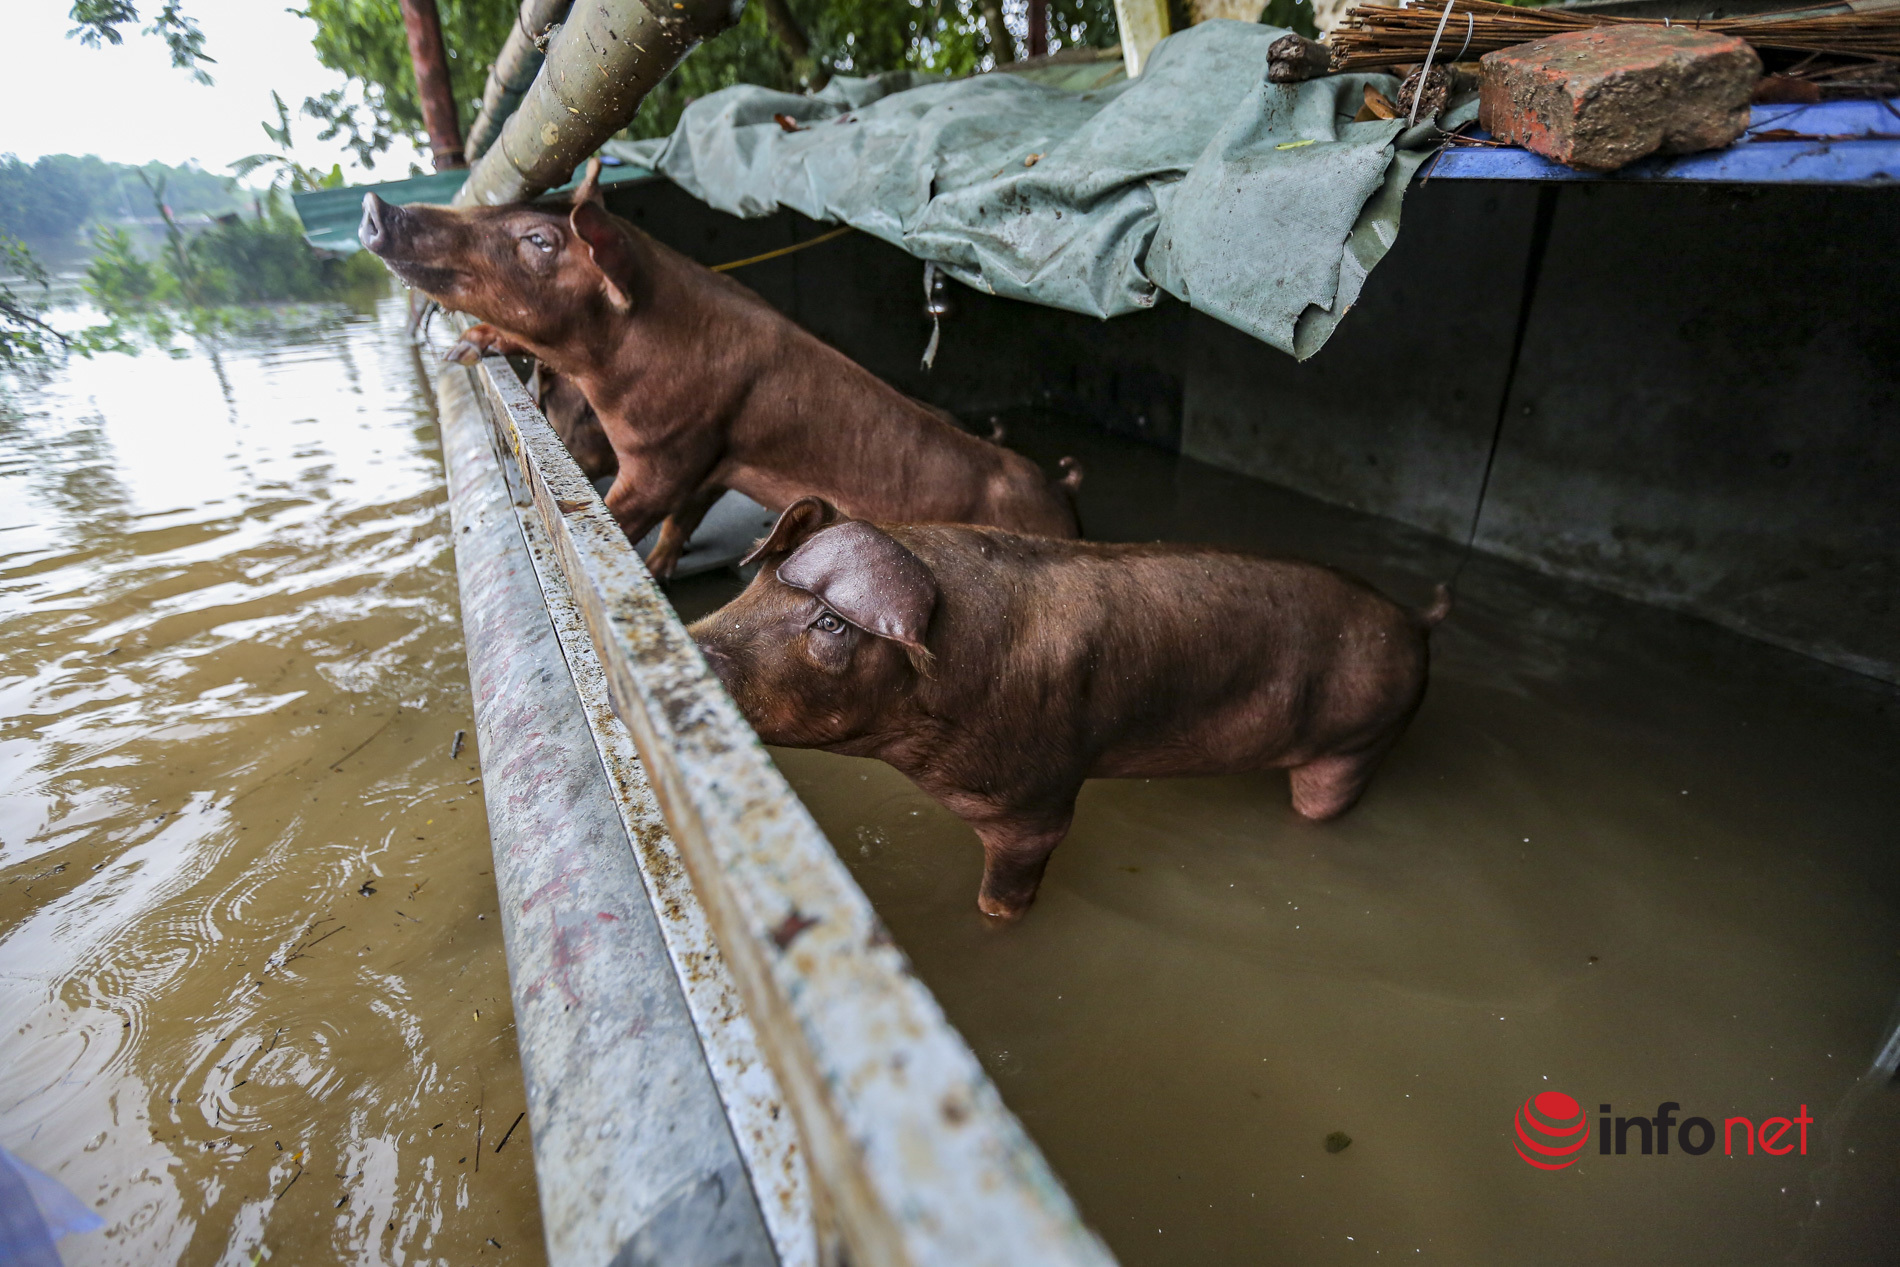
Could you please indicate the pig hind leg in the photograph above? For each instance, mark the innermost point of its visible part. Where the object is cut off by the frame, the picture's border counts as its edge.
(1329, 786)
(1015, 853)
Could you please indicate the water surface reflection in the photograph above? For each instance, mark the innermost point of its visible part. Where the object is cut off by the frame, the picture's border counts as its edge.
(248, 943)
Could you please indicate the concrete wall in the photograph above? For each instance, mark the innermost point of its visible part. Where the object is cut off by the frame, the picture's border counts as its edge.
(1707, 411)
(1705, 414)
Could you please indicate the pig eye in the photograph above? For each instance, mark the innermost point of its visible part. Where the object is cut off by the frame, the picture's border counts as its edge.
(540, 240)
(828, 623)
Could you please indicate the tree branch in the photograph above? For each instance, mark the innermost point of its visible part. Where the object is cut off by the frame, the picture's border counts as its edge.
(797, 44)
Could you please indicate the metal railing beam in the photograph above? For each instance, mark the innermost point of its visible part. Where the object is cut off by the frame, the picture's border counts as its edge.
(914, 1160)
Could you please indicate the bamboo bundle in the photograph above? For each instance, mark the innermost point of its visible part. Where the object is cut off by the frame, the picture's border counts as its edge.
(1377, 35)
(599, 65)
(516, 65)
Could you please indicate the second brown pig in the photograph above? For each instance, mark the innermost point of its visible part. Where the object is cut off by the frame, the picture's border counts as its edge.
(999, 671)
(700, 384)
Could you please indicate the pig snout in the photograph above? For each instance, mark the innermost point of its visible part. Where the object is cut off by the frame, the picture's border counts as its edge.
(377, 232)
(719, 662)
(412, 251)
(725, 654)
(754, 648)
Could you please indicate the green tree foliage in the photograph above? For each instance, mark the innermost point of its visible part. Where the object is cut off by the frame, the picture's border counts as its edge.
(28, 342)
(58, 197)
(97, 22)
(233, 260)
(859, 37)
(24, 287)
(288, 173)
(364, 39)
(260, 261)
(118, 274)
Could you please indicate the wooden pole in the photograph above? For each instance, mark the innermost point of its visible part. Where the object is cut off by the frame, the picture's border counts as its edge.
(1039, 28)
(516, 65)
(600, 64)
(786, 29)
(1002, 47)
(1144, 24)
(431, 61)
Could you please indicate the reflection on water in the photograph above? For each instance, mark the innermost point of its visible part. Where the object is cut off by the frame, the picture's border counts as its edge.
(1621, 855)
(256, 998)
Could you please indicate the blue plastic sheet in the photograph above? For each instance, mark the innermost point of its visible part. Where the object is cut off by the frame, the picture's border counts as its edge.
(35, 1212)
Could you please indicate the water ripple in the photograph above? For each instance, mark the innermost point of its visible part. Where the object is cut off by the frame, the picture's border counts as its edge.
(252, 1009)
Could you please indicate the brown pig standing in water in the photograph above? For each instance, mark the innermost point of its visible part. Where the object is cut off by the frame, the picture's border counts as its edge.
(999, 671)
(700, 384)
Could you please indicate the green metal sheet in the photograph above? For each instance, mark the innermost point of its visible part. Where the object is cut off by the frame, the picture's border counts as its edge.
(330, 216)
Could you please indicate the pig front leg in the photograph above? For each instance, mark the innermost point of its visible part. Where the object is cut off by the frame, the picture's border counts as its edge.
(482, 340)
(644, 492)
(677, 529)
(1330, 786)
(1016, 849)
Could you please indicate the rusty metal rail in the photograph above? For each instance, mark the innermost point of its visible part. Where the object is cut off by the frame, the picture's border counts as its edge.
(913, 1158)
(636, 1128)
(754, 1105)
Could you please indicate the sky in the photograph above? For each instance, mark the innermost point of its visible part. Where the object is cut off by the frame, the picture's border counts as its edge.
(129, 105)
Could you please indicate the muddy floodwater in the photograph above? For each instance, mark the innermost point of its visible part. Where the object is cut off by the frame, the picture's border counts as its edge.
(250, 967)
(255, 997)
(1621, 855)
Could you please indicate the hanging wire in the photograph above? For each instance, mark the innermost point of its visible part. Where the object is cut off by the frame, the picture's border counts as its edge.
(1424, 73)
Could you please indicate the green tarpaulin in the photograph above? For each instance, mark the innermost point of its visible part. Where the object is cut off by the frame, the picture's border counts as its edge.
(1262, 204)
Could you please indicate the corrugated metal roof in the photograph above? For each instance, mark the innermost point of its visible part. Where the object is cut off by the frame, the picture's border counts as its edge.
(330, 216)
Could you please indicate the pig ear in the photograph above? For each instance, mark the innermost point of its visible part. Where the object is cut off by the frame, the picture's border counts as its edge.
(589, 189)
(869, 579)
(799, 520)
(610, 249)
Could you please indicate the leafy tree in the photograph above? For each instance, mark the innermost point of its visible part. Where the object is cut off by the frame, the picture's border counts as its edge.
(856, 37)
(27, 340)
(290, 174)
(57, 197)
(42, 200)
(200, 273)
(364, 39)
(24, 335)
(97, 22)
(118, 275)
(785, 44)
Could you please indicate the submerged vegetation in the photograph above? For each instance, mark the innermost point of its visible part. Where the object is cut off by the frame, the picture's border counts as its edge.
(229, 274)
(232, 261)
(25, 335)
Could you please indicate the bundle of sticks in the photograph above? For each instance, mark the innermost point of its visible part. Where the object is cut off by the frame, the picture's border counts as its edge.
(1378, 35)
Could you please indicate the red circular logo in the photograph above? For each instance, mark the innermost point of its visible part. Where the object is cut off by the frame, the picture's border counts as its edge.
(1551, 1130)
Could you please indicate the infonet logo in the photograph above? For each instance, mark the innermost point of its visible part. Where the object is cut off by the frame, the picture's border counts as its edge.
(1552, 1131)
(1552, 1126)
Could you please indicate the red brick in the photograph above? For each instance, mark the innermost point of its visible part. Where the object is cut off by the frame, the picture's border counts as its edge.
(1600, 98)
